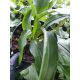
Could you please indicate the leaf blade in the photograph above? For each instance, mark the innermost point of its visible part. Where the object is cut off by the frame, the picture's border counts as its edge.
(36, 52)
(41, 5)
(54, 19)
(50, 56)
(26, 19)
(22, 43)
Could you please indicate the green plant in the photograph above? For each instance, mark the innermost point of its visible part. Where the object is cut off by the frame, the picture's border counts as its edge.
(49, 53)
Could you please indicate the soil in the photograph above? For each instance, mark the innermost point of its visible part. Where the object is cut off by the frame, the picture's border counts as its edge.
(27, 57)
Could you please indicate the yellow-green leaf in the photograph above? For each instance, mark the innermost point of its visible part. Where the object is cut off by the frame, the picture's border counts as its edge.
(26, 19)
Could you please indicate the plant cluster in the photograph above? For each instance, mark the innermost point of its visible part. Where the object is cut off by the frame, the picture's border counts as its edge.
(46, 32)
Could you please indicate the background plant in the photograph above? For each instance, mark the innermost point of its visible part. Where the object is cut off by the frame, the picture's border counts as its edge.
(51, 49)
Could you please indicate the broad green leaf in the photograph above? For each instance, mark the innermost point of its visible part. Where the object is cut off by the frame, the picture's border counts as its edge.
(26, 19)
(36, 52)
(50, 56)
(41, 5)
(30, 73)
(22, 43)
(25, 73)
(33, 75)
(65, 71)
(54, 19)
(64, 60)
(64, 55)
